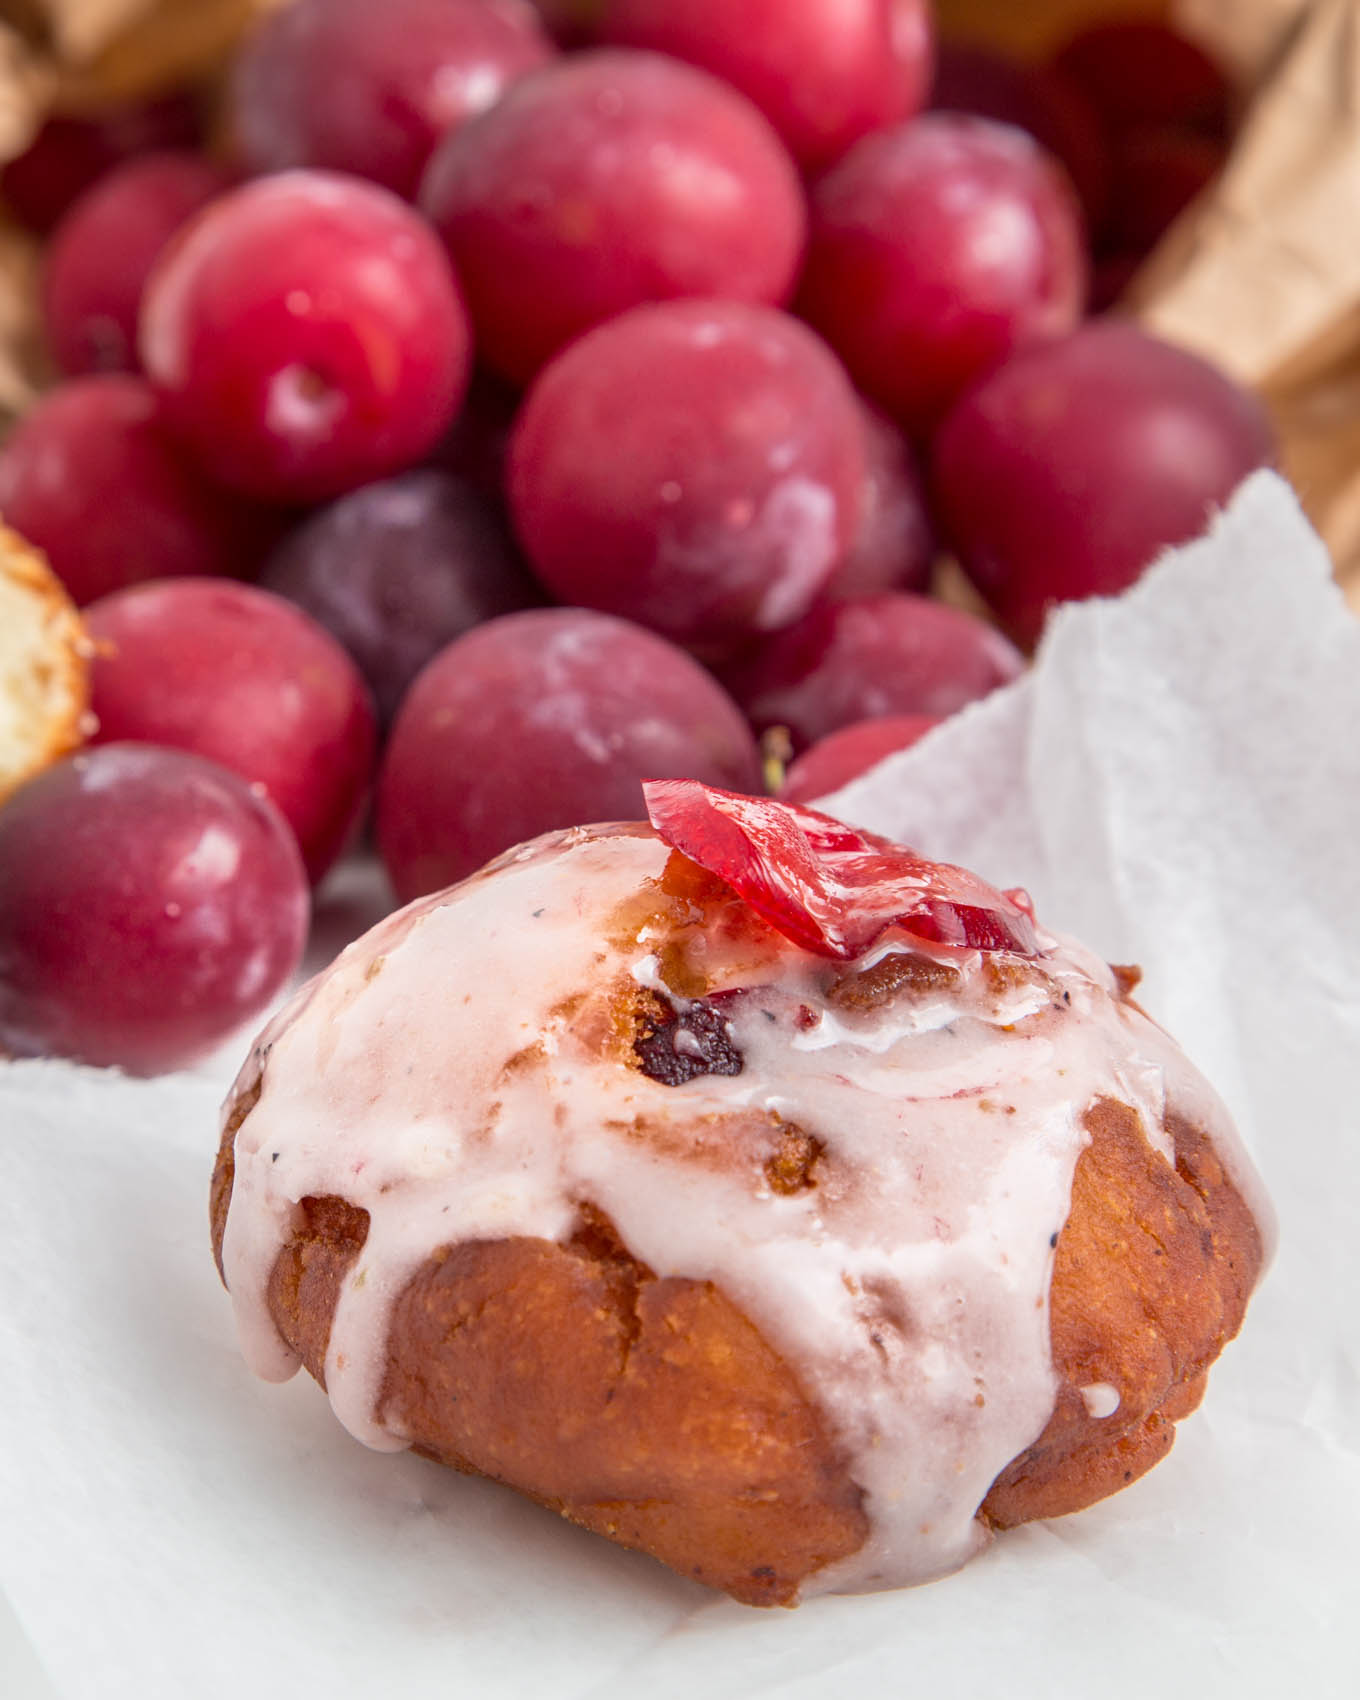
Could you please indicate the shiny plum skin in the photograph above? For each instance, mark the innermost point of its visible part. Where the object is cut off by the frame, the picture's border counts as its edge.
(545, 719)
(69, 154)
(306, 335)
(712, 500)
(824, 72)
(608, 179)
(230, 672)
(850, 661)
(842, 756)
(1094, 454)
(368, 88)
(397, 570)
(102, 253)
(150, 904)
(937, 250)
(894, 548)
(94, 477)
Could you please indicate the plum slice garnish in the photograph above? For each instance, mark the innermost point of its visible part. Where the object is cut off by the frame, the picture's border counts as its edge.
(831, 889)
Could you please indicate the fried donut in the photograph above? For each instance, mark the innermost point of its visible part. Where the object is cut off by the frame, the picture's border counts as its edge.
(760, 1196)
(44, 666)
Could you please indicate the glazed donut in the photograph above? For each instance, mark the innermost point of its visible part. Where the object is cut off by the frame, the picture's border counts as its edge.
(748, 1190)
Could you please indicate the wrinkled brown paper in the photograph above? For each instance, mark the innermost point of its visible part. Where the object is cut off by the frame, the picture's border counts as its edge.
(105, 50)
(1246, 37)
(26, 84)
(21, 362)
(79, 29)
(173, 42)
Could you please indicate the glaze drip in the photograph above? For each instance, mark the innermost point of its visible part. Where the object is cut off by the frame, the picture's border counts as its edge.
(878, 1183)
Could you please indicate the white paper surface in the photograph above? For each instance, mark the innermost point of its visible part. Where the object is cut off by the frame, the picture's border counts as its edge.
(1178, 780)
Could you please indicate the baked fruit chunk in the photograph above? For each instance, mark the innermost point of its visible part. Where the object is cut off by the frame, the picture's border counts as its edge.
(747, 1189)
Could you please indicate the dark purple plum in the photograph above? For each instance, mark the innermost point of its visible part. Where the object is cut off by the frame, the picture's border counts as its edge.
(397, 570)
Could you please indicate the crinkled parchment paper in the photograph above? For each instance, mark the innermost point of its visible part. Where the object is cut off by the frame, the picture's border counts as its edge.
(1178, 780)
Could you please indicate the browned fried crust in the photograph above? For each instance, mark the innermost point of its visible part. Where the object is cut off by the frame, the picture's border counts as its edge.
(653, 1412)
(1150, 1281)
(647, 1410)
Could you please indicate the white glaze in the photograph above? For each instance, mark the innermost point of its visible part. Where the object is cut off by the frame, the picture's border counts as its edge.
(1101, 1400)
(908, 1289)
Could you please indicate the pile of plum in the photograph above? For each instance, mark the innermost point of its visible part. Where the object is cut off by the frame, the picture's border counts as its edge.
(512, 405)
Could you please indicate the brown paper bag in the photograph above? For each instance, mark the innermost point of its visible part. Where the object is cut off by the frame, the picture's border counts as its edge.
(22, 367)
(1246, 37)
(170, 43)
(27, 81)
(77, 30)
(110, 50)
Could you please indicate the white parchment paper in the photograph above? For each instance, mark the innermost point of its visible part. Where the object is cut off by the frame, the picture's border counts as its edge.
(1179, 780)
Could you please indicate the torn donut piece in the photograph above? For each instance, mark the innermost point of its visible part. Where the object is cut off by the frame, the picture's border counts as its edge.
(44, 666)
(802, 1269)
